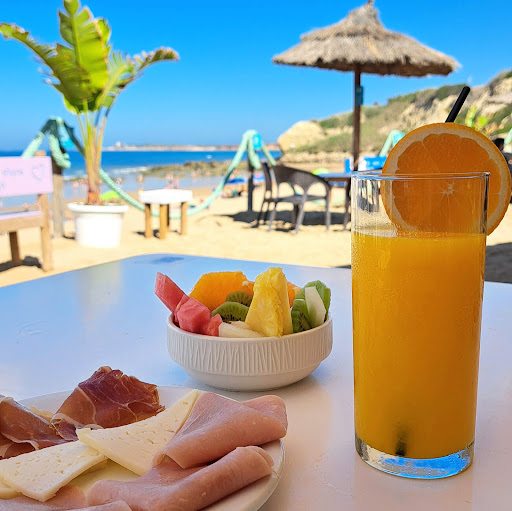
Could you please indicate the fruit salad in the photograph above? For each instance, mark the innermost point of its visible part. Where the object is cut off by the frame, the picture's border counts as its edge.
(228, 304)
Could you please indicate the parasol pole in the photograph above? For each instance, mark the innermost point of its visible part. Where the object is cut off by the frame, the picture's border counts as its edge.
(358, 101)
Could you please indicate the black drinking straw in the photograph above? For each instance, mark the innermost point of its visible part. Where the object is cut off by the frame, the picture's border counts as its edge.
(458, 104)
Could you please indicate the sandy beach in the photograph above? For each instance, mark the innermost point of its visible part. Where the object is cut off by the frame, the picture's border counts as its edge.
(226, 230)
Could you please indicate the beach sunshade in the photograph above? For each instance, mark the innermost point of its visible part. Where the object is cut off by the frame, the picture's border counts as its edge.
(361, 44)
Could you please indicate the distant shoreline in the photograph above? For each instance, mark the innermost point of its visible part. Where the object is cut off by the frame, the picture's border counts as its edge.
(182, 148)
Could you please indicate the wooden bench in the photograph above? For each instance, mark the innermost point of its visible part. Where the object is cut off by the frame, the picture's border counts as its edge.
(164, 198)
(27, 176)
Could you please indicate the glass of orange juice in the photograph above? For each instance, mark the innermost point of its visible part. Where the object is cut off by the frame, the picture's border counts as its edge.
(417, 286)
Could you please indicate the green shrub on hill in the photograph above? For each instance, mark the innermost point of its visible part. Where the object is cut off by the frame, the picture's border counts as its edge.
(337, 121)
(448, 90)
(404, 98)
(341, 142)
(371, 139)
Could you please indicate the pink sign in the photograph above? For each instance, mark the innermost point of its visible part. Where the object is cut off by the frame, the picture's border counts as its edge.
(25, 176)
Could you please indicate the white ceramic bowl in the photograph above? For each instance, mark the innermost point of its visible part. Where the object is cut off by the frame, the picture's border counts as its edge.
(262, 363)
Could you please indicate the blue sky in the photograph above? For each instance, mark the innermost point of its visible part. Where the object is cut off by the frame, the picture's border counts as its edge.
(225, 81)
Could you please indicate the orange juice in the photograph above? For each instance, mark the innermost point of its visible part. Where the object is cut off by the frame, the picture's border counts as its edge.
(417, 302)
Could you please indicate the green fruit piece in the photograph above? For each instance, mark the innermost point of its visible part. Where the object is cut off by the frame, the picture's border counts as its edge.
(300, 316)
(323, 291)
(231, 311)
(240, 297)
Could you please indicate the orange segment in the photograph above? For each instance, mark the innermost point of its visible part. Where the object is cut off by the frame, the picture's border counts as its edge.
(292, 291)
(248, 287)
(445, 148)
(212, 288)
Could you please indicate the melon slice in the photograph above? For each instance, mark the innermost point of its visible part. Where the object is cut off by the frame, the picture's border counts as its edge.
(316, 307)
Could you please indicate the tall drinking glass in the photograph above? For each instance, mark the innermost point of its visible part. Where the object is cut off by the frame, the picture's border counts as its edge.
(418, 253)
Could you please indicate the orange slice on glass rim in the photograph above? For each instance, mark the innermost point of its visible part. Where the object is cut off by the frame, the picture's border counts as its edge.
(444, 148)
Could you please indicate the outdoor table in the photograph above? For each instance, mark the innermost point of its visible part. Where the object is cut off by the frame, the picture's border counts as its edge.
(335, 178)
(164, 198)
(56, 331)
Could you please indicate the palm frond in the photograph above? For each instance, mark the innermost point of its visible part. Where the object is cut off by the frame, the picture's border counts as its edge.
(160, 54)
(120, 74)
(87, 38)
(70, 80)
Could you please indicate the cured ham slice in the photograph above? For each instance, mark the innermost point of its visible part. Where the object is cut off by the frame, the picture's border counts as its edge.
(168, 486)
(21, 430)
(69, 497)
(108, 399)
(118, 505)
(217, 425)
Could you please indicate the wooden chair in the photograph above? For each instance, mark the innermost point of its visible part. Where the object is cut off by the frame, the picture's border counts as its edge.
(27, 176)
(300, 182)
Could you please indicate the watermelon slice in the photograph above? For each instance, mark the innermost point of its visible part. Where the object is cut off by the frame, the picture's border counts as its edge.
(184, 299)
(212, 328)
(168, 291)
(193, 316)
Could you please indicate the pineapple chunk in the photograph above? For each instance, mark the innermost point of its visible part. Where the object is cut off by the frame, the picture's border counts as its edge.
(269, 312)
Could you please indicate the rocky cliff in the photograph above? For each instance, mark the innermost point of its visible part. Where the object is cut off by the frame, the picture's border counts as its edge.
(331, 139)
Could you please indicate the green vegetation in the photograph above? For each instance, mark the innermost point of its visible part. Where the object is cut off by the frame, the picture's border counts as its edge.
(371, 139)
(337, 121)
(330, 123)
(341, 142)
(405, 98)
(448, 90)
(88, 74)
(369, 112)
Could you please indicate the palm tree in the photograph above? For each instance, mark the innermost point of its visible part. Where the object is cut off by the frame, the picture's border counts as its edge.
(88, 73)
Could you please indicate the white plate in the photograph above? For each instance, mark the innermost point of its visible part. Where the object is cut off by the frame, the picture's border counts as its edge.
(250, 498)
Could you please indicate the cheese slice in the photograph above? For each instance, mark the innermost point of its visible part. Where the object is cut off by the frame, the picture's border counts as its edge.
(6, 492)
(133, 446)
(40, 474)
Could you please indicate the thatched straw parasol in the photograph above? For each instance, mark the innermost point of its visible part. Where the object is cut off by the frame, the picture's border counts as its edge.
(360, 43)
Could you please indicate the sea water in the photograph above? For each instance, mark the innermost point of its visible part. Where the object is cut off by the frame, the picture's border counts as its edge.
(129, 166)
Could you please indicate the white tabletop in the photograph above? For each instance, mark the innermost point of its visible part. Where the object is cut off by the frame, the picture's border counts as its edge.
(165, 196)
(56, 331)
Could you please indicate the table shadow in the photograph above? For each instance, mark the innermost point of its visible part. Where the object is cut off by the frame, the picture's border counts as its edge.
(27, 261)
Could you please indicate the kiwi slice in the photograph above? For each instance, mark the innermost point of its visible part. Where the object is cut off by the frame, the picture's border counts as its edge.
(240, 297)
(300, 316)
(323, 291)
(231, 311)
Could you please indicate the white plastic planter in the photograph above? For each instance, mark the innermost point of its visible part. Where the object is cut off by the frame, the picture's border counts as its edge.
(98, 226)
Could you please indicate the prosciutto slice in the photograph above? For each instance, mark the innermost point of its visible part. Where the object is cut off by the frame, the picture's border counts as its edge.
(108, 399)
(69, 497)
(118, 505)
(217, 425)
(21, 430)
(169, 487)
